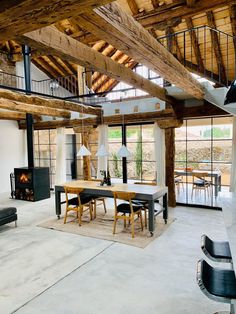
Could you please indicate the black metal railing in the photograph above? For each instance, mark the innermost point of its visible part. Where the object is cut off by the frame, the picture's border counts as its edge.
(206, 51)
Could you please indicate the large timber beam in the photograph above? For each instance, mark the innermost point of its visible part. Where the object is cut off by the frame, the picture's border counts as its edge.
(112, 24)
(52, 41)
(163, 14)
(19, 17)
(216, 46)
(49, 103)
(28, 108)
(110, 120)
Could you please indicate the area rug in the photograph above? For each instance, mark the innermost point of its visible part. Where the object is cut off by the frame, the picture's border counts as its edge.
(102, 227)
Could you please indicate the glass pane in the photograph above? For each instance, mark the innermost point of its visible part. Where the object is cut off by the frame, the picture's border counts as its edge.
(222, 150)
(199, 151)
(44, 137)
(44, 151)
(148, 171)
(147, 133)
(180, 133)
(225, 170)
(222, 128)
(199, 129)
(136, 151)
(115, 167)
(114, 134)
(180, 151)
(113, 149)
(133, 134)
(148, 152)
(134, 170)
(53, 136)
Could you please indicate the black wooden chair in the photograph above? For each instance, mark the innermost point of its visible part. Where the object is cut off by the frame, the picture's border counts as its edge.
(216, 283)
(216, 251)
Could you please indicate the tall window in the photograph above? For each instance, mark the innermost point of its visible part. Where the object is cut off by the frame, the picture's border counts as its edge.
(206, 145)
(140, 142)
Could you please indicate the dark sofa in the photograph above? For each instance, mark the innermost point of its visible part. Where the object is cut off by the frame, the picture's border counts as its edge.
(7, 215)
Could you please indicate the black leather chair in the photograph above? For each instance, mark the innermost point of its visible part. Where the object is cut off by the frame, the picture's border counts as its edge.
(7, 215)
(216, 283)
(216, 251)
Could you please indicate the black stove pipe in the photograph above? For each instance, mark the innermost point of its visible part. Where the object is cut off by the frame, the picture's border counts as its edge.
(29, 117)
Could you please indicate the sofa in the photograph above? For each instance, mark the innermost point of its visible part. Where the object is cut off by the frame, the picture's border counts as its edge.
(8, 214)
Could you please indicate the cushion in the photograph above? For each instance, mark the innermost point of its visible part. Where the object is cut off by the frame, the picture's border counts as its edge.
(6, 211)
(125, 208)
(83, 198)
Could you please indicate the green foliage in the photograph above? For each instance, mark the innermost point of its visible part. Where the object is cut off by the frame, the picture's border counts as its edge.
(217, 133)
(115, 162)
(116, 133)
(138, 155)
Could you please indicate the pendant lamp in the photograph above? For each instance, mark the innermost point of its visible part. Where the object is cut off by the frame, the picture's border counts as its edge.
(123, 151)
(83, 151)
(230, 98)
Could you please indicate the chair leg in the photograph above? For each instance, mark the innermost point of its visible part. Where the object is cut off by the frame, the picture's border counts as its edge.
(65, 216)
(15, 223)
(91, 210)
(114, 225)
(80, 215)
(94, 209)
(132, 224)
(104, 204)
(124, 221)
(141, 219)
(145, 217)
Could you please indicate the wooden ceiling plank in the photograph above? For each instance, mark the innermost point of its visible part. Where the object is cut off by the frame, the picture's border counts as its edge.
(216, 47)
(195, 44)
(163, 14)
(191, 3)
(52, 41)
(116, 27)
(50, 103)
(155, 4)
(23, 16)
(29, 108)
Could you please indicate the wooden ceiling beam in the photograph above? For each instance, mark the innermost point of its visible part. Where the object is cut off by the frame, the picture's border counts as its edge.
(52, 41)
(191, 3)
(232, 12)
(19, 17)
(50, 103)
(133, 6)
(112, 24)
(216, 46)
(16, 116)
(195, 44)
(178, 9)
(155, 4)
(29, 108)
(110, 120)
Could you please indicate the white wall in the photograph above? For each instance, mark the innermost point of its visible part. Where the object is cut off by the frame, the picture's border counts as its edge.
(13, 151)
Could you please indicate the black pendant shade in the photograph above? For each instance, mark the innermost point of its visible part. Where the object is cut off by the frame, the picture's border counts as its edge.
(230, 98)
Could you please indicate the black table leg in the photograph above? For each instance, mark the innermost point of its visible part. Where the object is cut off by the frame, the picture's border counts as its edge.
(151, 225)
(165, 205)
(58, 203)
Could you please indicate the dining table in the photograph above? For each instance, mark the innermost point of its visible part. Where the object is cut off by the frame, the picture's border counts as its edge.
(214, 174)
(149, 193)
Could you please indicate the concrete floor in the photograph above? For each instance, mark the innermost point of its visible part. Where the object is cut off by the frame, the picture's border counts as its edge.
(47, 271)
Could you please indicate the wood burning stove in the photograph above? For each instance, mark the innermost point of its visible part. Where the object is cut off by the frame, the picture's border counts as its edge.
(32, 184)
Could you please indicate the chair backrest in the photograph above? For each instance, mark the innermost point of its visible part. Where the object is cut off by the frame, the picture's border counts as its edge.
(72, 190)
(126, 196)
(200, 175)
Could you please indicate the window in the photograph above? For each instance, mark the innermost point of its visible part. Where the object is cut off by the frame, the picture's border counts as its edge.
(206, 145)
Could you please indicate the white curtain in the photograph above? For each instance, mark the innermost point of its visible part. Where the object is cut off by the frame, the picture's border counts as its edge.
(233, 167)
(159, 137)
(60, 176)
(102, 140)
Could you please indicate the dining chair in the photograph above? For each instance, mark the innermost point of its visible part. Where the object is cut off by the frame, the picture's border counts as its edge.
(200, 183)
(144, 203)
(178, 181)
(78, 203)
(98, 200)
(126, 210)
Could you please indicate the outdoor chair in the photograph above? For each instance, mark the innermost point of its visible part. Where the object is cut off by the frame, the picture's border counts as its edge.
(78, 203)
(179, 182)
(200, 183)
(216, 251)
(127, 210)
(216, 283)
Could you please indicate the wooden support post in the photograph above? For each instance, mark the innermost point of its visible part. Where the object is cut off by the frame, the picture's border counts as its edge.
(170, 165)
(86, 159)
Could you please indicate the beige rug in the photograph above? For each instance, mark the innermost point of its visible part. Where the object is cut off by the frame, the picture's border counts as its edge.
(102, 227)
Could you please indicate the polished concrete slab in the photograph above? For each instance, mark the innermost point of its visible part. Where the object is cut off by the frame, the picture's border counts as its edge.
(47, 271)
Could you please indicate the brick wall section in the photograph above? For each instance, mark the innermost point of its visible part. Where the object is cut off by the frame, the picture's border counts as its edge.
(7, 66)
